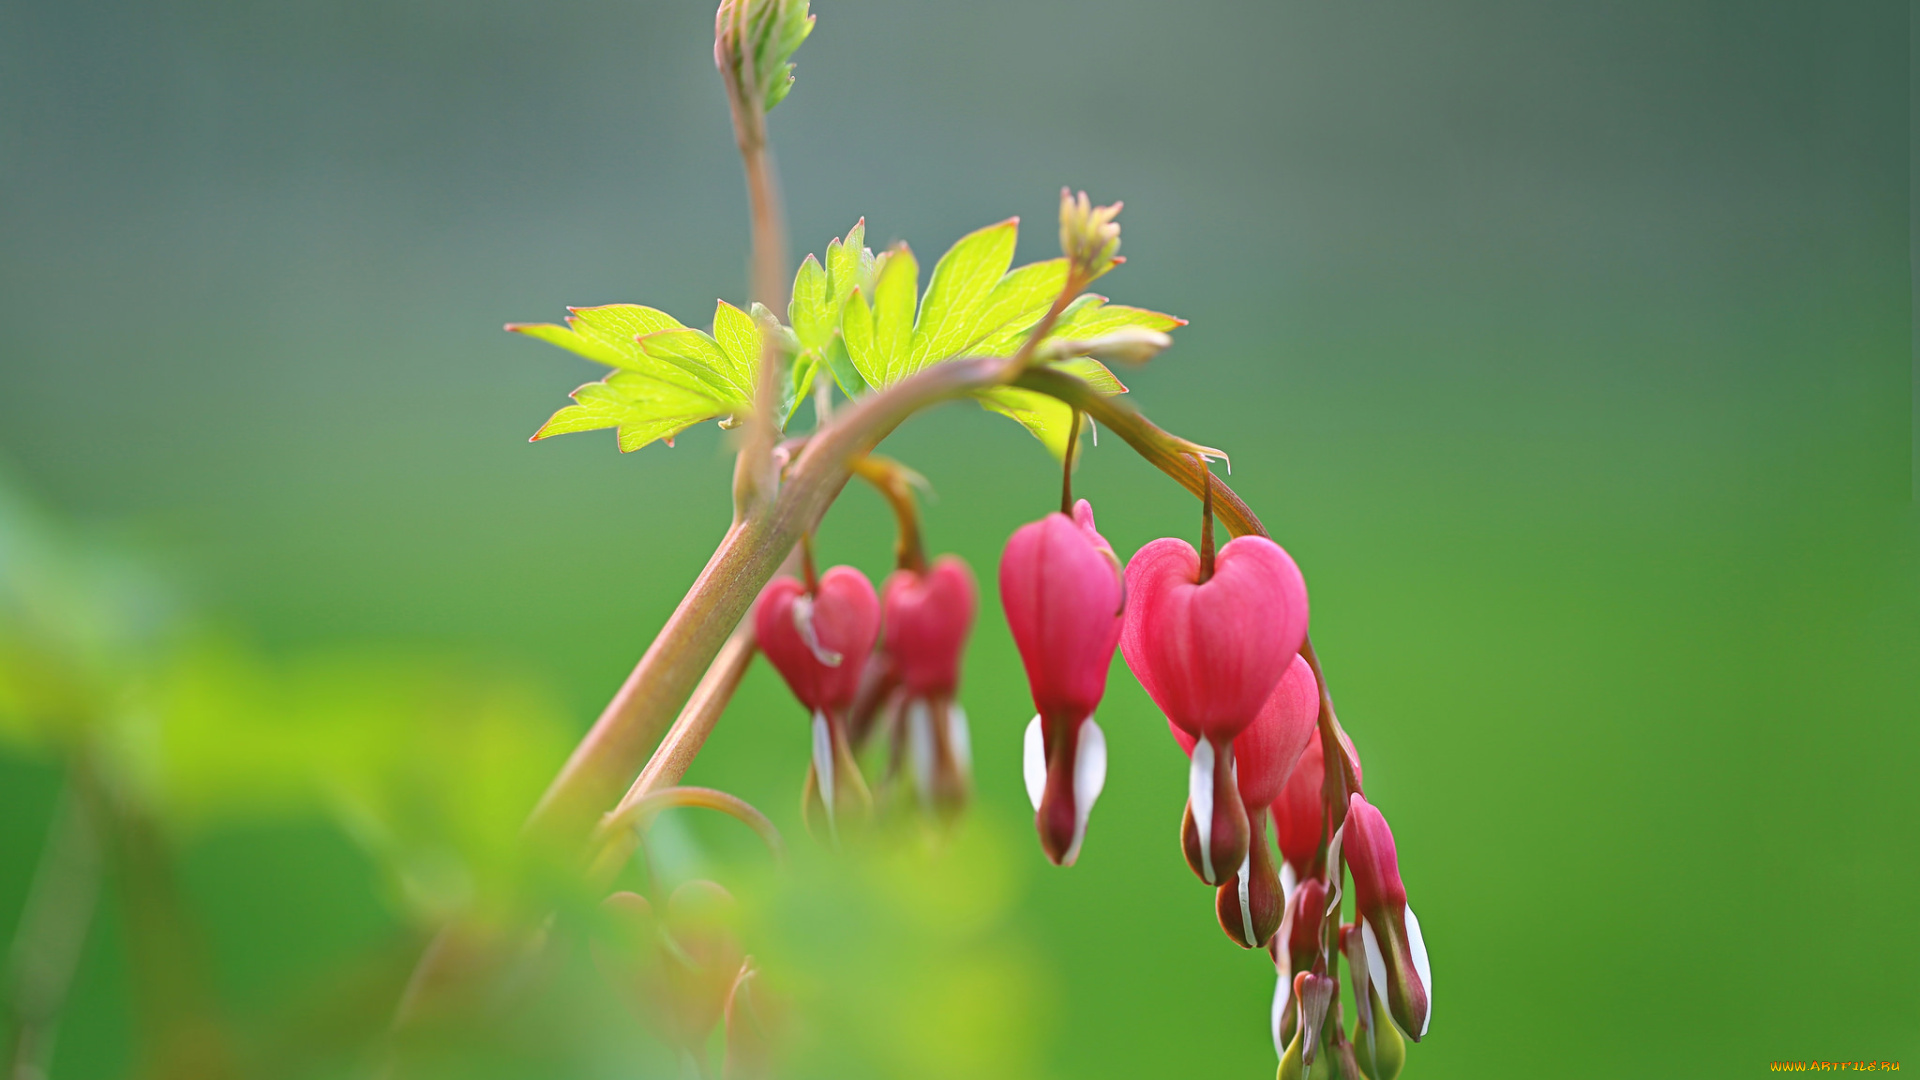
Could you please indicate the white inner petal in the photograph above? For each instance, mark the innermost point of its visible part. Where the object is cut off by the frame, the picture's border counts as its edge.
(1417, 945)
(1089, 777)
(920, 748)
(823, 763)
(1336, 894)
(959, 737)
(1288, 882)
(1246, 905)
(803, 623)
(1035, 764)
(1200, 798)
(1376, 965)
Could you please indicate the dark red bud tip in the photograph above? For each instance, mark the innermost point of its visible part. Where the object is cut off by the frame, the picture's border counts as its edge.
(1250, 906)
(1215, 834)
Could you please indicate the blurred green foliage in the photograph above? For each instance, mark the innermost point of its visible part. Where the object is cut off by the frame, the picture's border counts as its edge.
(1565, 346)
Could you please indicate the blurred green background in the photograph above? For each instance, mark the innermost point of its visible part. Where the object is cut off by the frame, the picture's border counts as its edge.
(1566, 346)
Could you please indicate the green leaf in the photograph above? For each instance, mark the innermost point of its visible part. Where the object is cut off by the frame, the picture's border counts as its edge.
(896, 287)
(856, 331)
(840, 365)
(1095, 373)
(849, 265)
(1015, 304)
(962, 281)
(798, 381)
(702, 357)
(642, 408)
(609, 335)
(808, 312)
(1090, 316)
(1047, 418)
(739, 337)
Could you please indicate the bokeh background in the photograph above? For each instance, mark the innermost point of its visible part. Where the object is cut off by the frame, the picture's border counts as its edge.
(1566, 346)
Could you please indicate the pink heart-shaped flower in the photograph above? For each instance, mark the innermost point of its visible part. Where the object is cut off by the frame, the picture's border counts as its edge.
(927, 619)
(819, 643)
(1209, 653)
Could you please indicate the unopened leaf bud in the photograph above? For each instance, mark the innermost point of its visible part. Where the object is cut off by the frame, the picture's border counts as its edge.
(753, 40)
(1089, 236)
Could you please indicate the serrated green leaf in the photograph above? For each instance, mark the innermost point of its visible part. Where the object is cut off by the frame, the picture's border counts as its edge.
(809, 313)
(856, 331)
(738, 335)
(619, 325)
(844, 261)
(1014, 305)
(962, 280)
(642, 408)
(607, 335)
(1090, 316)
(896, 287)
(701, 356)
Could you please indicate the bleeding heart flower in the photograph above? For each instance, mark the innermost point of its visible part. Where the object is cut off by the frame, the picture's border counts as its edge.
(1396, 951)
(928, 616)
(1063, 592)
(819, 642)
(1210, 653)
(1299, 814)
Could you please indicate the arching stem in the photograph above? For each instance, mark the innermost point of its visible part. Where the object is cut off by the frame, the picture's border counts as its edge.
(894, 482)
(1206, 522)
(808, 575)
(1066, 465)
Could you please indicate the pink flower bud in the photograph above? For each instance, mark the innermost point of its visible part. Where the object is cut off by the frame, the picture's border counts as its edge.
(1061, 586)
(1250, 904)
(1210, 654)
(927, 619)
(1294, 950)
(1299, 814)
(819, 643)
(1396, 952)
